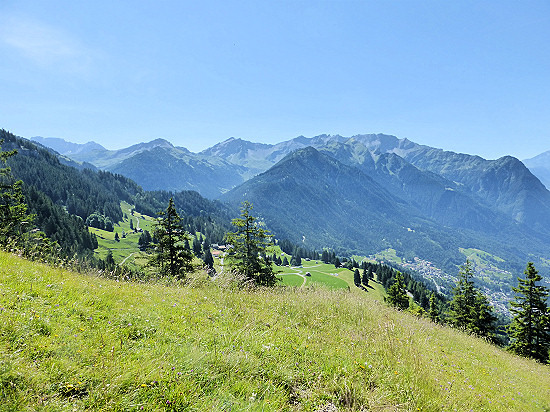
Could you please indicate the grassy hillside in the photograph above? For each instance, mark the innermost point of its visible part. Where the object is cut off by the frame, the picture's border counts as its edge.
(126, 249)
(83, 342)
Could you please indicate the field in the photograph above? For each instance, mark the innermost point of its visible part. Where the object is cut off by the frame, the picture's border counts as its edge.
(80, 342)
(324, 275)
(126, 250)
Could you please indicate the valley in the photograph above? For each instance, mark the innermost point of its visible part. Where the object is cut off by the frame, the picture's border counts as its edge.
(364, 195)
(327, 338)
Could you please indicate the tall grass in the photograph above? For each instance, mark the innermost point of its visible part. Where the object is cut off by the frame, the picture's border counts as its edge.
(77, 342)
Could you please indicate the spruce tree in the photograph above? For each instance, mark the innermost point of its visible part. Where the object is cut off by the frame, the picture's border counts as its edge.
(433, 311)
(247, 246)
(357, 277)
(109, 260)
(170, 255)
(370, 274)
(208, 259)
(469, 308)
(397, 295)
(365, 277)
(530, 327)
(197, 247)
(14, 219)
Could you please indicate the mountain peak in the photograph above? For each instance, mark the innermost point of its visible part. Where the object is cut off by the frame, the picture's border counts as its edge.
(67, 148)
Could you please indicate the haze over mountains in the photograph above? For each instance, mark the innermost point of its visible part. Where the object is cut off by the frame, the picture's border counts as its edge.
(360, 194)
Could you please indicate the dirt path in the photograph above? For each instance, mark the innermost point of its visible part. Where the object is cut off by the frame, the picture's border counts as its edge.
(122, 263)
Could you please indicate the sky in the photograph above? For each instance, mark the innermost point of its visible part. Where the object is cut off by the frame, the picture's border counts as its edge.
(467, 76)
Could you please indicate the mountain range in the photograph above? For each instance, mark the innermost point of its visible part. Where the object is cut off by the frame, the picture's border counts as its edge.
(359, 194)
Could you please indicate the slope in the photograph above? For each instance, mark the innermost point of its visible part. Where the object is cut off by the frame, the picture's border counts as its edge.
(163, 168)
(85, 343)
(313, 198)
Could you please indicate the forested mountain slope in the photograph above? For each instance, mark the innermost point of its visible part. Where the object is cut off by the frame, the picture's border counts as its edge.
(311, 197)
(63, 197)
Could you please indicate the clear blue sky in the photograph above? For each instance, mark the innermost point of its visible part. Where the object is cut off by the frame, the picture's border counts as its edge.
(472, 77)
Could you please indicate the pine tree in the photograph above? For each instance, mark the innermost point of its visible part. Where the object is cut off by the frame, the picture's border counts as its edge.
(109, 260)
(247, 245)
(144, 240)
(197, 247)
(433, 311)
(357, 277)
(370, 274)
(469, 308)
(14, 219)
(530, 327)
(170, 255)
(397, 295)
(365, 277)
(208, 259)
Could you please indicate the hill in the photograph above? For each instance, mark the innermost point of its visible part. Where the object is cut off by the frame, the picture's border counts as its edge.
(83, 342)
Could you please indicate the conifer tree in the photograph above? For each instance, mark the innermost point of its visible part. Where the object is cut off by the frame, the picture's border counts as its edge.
(365, 277)
(170, 255)
(357, 277)
(109, 260)
(370, 274)
(433, 311)
(197, 247)
(530, 327)
(469, 308)
(208, 259)
(247, 246)
(14, 219)
(397, 295)
(144, 240)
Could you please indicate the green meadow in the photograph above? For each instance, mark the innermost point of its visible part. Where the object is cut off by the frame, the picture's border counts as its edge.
(126, 250)
(80, 342)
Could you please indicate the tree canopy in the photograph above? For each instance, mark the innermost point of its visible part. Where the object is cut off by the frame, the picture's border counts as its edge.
(469, 308)
(248, 248)
(170, 256)
(530, 327)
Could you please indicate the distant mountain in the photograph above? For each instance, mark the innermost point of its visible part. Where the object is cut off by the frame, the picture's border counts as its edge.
(540, 167)
(312, 197)
(159, 165)
(175, 169)
(503, 186)
(67, 148)
(62, 197)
